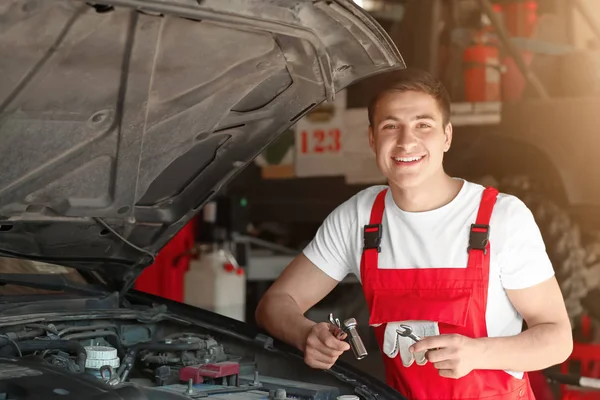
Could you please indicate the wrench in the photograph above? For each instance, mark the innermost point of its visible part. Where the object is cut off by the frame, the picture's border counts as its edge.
(336, 322)
(408, 332)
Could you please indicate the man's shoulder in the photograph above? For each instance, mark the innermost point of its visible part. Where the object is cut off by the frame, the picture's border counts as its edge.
(363, 200)
(505, 202)
(355, 208)
(513, 211)
(508, 209)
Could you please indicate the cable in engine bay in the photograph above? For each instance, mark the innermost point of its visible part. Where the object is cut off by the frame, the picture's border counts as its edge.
(16, 346)
(34, 345)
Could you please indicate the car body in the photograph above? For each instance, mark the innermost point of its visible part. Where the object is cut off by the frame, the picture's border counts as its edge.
(118, 121)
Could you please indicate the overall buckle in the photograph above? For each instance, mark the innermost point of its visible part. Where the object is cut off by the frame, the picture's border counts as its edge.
(372, 237)
(479, 237)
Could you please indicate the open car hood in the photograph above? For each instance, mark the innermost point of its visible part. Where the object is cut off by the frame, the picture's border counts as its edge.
(119, 120)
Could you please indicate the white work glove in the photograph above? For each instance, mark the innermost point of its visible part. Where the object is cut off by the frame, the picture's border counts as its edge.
(394, 343)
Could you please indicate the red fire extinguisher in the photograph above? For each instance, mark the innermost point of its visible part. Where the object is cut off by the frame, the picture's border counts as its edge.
(482, 71)
(520, 16)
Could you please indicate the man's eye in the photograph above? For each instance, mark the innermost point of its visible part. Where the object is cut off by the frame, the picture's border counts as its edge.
(389, 126)
(423, 125)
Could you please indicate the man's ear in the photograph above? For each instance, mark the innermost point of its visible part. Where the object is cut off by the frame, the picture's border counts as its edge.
(371, 138)
(448, 135)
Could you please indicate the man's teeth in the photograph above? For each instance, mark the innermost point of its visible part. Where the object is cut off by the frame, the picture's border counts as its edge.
(407, 159)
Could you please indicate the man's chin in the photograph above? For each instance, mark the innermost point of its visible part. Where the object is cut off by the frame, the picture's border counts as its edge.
(406, 181)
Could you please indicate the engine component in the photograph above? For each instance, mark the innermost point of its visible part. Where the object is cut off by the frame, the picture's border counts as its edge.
(225, 373)
(62, 360)
(33, 345)
(162, 375)
(277, 394)
(101, 362)
(293, 389)
(25, 379)
(187, 350)
(203, 391)
(99, 356)
(127, 364)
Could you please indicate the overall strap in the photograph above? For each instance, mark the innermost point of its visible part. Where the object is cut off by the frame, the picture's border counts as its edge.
(479, 237)
(372, 235)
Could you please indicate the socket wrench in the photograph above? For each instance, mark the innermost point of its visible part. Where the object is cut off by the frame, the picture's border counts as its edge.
(349, 327)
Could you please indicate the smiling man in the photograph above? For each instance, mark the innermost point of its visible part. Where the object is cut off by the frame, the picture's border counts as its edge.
(460, 265)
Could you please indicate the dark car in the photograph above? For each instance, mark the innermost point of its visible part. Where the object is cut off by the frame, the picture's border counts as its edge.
(119, 120)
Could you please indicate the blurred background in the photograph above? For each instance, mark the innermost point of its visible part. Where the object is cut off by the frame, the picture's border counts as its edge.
(524, 77)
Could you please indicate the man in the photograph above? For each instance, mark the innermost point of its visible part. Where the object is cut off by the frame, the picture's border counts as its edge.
(461, 264)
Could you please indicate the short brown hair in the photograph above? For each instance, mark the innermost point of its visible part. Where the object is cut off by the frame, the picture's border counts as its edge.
(415, 80)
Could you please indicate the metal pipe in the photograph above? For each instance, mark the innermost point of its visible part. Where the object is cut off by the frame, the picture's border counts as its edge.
(89, 335)
(264, 244)
(574, 380)
(172, 347)
(531, 78)
(86, 328)
(30, 334)
(48, 328)
(161, 359)
(587, 16)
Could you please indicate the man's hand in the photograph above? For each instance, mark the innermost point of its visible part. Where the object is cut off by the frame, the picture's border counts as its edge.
(324, 345)
(453, 355)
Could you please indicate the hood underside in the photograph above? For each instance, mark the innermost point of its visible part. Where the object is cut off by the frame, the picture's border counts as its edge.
(120, 120)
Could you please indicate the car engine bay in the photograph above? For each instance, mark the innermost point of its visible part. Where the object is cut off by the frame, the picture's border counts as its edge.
(128, 358)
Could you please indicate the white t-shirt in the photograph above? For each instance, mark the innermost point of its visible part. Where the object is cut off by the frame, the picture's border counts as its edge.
(438, 239)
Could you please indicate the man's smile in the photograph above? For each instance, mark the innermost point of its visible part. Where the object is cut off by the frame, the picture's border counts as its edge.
(408, 160)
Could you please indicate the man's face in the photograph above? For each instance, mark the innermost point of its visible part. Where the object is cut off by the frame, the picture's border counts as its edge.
(409, 138)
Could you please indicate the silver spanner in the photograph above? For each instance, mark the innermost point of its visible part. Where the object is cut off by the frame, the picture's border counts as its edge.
(335, 321)
(407, 331)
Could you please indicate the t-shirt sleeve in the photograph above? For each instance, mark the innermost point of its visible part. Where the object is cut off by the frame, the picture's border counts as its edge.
(524, 261)
(330, 248)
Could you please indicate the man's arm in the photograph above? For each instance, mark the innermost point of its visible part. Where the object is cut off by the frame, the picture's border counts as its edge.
(528, 279)
(281, 312)
(325, 261)
(547, 341)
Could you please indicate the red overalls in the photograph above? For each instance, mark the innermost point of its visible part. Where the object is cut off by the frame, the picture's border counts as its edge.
(454, 297)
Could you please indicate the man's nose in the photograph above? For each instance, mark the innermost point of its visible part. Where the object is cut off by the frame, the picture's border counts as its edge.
(406, 139)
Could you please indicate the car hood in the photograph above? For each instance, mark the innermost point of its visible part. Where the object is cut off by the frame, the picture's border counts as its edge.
(119, 120)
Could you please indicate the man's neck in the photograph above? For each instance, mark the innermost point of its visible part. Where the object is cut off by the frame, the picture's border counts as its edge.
(433, 194)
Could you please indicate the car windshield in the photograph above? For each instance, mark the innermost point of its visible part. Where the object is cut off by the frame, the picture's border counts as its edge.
(18, 266)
